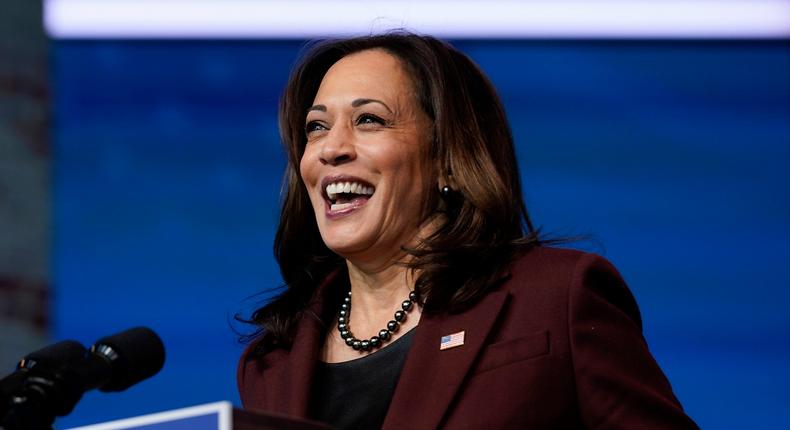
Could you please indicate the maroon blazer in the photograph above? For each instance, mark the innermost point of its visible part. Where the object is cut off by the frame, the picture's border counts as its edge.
(556, 345)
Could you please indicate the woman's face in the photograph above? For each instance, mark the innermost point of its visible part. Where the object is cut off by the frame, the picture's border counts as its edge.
(364, 165)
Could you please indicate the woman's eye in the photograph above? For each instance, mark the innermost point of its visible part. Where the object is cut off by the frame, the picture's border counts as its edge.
(313, 126)
(368, 119)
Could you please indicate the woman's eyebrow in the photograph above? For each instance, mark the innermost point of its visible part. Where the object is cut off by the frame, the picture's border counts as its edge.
(356, 103)
(360, 102)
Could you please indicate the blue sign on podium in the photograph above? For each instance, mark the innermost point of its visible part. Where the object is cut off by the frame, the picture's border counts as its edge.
(211, 416)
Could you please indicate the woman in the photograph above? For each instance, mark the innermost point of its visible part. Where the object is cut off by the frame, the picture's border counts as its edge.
(418, 292)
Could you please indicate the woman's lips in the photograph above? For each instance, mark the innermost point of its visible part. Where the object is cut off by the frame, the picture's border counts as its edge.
(349, 193)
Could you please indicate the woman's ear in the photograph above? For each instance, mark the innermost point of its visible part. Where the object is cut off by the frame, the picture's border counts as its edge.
(449, 191)
(446, 182)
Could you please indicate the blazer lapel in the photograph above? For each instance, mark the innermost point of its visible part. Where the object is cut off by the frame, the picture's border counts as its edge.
(431, 377)
(304, 353)
(302, 360)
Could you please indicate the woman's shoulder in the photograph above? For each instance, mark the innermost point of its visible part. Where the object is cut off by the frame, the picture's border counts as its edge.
(557, 263)
(568, 280)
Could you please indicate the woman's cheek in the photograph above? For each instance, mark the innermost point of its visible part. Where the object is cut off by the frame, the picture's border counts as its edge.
(306, 170)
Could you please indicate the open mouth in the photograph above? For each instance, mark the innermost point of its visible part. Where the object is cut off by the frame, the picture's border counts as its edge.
(347, 194)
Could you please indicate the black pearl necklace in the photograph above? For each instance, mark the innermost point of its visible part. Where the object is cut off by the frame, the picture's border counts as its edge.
(384, 335)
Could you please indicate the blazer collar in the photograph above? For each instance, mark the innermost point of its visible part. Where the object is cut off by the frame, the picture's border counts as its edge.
(439, 374)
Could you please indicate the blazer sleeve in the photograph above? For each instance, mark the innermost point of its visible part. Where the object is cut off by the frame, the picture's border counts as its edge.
(619, 384)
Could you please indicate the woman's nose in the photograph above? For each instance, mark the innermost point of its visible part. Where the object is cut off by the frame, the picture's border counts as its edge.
(338, 147)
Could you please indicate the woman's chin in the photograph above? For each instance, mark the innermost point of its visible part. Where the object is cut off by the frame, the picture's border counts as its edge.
(348, 229)
(347, 250)
(346, 245)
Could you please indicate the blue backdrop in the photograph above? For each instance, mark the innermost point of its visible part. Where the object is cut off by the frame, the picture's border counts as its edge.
(674, 155)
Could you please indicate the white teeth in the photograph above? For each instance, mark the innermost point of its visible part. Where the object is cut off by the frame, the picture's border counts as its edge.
(333, 189)
(340, 206)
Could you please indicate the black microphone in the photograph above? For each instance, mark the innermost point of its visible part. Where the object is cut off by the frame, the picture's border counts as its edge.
(117, 362)
(113, 363)
(49, 357)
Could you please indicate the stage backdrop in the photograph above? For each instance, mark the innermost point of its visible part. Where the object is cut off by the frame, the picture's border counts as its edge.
(673, 155)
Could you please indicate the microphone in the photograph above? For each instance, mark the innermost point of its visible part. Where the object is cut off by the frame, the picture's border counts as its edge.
(113, 363)
(117, 362)
(51, 356)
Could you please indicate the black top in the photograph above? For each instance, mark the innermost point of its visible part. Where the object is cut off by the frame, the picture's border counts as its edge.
(356, 394)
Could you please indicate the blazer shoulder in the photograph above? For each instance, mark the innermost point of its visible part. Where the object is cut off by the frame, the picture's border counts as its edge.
(556, 274)
(544, 265)
(557, 259)
(247, 363)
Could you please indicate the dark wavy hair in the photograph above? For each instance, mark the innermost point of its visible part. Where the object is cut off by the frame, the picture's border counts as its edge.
(484, 222)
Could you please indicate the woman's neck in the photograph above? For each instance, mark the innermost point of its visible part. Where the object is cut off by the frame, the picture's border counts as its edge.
(375, 296)
(380, 290)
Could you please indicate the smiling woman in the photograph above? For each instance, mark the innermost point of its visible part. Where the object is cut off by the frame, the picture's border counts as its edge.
(366, 130)
(403, 218)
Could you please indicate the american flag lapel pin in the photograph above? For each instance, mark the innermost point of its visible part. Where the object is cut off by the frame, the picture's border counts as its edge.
(452, 340)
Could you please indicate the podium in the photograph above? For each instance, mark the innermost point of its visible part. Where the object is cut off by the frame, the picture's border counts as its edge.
(211, 416)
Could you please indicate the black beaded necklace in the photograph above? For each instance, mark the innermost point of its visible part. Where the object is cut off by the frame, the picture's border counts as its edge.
(384, 334)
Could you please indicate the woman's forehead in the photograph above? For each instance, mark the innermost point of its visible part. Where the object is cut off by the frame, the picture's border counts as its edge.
(370, 74)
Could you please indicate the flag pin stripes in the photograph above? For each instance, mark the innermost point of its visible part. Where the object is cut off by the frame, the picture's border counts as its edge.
(452, 340)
